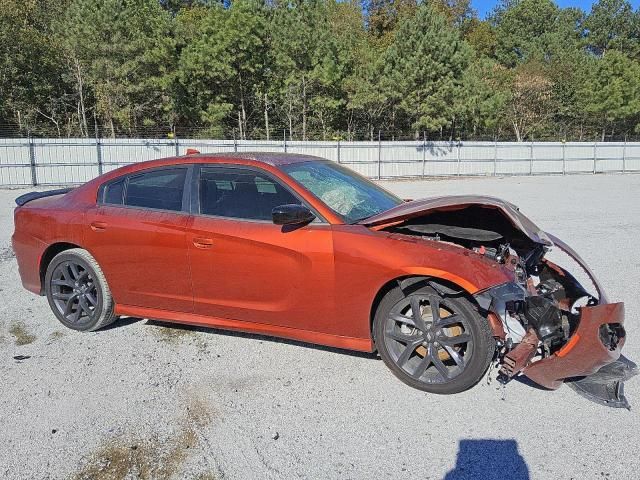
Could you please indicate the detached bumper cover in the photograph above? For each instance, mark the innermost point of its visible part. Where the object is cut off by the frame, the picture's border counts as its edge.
(606, 386)
(585, 352)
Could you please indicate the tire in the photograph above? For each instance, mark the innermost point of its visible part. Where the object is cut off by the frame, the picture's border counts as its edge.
(445, 356)
(78, 292)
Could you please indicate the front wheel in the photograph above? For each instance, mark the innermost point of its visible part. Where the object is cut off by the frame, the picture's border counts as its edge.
(77, 291)
(433, 342)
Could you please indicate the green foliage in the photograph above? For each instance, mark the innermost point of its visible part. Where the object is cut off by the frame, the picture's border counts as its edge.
(123, 50)
(613, 90)
(31, 95)
(535, 30)
(308, 66)
(612, 24)
(484, 98)
(424, 70)
(224, 58)
(321, 69)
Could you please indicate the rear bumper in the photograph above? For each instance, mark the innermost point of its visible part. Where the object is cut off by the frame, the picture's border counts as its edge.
(584, 353)
(28, 250)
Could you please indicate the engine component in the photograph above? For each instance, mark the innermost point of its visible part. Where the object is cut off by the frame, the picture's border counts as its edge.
(545, 318)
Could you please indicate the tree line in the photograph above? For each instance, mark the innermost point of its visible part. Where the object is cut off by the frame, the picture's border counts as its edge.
(319, 69)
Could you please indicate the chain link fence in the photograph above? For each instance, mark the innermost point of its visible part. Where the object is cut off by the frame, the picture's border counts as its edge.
(30, 161)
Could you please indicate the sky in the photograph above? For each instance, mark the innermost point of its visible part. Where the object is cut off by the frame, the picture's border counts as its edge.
(484, 7)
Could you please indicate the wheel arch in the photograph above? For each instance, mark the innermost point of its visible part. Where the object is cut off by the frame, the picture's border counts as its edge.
(50, 252)
(410, 282)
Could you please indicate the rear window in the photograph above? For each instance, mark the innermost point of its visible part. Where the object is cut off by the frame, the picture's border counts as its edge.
(161, 189)
(113, 192)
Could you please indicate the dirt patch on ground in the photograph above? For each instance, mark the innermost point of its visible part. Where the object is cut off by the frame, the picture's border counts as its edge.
(21, 334)
(170, 333)
(176, 334)
(57, 335)
(152, 458)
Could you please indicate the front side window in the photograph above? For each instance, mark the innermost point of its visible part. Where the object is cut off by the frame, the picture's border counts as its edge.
(350, 195)
(240, 193)
(160, 189)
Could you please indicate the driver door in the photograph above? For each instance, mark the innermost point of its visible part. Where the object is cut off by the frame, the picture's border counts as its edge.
(244, 267)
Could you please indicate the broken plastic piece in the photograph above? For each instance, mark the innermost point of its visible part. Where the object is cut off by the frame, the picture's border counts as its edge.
(192, 151)
(606, 386)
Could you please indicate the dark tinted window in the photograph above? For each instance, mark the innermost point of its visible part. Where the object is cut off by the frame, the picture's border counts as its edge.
(160, 189)
(113, 192)
(240, 193)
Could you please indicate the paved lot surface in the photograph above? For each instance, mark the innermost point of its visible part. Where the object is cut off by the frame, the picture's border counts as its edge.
(167, 402)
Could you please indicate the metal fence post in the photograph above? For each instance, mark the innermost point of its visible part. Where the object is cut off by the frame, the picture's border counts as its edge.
(379, 156)
(32, 161)
(624, 155)
(595, 155)
(458, 157)
(338, 151)
(284, 140)
(177, 148)
(531, 158)
(235, 143)
(424, 152)
(99, 155)
(564, 158)
(495, 157)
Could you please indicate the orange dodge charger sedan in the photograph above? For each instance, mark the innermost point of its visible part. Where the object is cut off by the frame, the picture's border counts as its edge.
(301, 247)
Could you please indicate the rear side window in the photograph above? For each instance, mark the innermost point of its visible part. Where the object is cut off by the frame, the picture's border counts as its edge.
(161, 189)
(113, 192)
(240, 193)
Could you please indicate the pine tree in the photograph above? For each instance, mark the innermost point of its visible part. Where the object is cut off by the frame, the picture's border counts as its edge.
(424, 70)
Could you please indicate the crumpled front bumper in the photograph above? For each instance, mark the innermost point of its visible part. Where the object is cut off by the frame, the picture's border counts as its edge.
(585, 352)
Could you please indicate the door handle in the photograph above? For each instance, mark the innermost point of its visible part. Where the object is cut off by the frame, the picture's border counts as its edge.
(98, 226)
(201, 242)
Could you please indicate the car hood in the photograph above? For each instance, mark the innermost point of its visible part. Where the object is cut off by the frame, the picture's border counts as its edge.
(415, 208)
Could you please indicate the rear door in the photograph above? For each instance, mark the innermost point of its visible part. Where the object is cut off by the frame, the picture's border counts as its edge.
(137, 233)
(244, 267)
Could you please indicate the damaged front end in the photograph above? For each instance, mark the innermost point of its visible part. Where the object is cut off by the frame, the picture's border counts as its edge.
(548, 326)
(557, 332)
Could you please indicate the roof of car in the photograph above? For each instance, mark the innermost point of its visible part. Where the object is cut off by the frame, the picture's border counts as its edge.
(272, 158)
(275, 159)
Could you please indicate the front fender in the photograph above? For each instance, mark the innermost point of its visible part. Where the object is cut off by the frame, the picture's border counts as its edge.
(470, 278)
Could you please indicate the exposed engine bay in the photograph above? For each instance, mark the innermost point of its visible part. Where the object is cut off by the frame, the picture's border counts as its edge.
(545, 311)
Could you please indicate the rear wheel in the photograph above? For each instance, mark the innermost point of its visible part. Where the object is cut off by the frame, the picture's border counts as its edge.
(77, 291)
(433, 342)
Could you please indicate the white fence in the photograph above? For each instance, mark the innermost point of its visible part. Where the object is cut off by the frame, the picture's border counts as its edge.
(69, 161)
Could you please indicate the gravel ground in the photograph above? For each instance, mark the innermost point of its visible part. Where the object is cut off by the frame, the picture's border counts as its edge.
(146, 399)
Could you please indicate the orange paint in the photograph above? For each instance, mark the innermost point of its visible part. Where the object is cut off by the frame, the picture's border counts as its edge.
(314, 283)
(569, 346)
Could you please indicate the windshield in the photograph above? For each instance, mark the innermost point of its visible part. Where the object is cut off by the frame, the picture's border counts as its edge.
(348, 194)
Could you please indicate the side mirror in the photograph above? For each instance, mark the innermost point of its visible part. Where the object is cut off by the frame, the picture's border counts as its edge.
(292, 214)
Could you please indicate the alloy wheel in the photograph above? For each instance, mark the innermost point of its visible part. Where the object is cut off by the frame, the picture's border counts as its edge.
(74, 292)
(428, 339)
